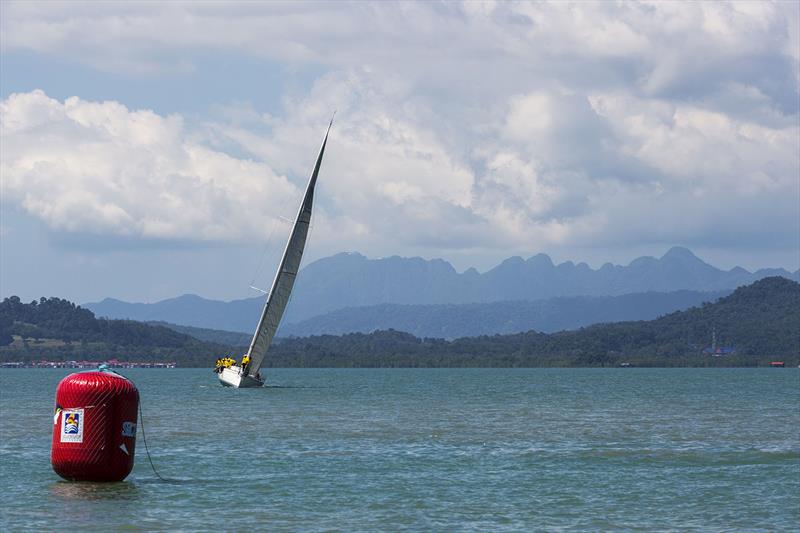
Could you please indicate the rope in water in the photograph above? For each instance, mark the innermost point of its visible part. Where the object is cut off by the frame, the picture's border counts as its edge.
(146, 449)
(105, 368)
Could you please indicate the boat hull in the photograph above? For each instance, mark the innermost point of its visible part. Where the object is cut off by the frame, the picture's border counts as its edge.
(234, 377)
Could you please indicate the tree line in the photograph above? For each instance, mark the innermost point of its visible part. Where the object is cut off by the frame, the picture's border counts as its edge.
(761, 322)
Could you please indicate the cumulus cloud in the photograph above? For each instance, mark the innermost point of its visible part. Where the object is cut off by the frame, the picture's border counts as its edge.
(381, 156)
(100, 168)
(679, 50)
(479, 125)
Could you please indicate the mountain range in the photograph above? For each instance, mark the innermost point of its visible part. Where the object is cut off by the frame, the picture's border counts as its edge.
(450, 321)
(758, 323)
(350, 280)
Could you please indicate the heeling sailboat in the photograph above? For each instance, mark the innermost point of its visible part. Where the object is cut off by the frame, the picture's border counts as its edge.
(249, 375)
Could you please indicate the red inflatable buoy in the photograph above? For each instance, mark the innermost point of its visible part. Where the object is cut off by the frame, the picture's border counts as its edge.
(94, 427)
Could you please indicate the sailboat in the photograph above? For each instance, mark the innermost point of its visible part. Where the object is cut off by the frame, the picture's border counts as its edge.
(278, 296)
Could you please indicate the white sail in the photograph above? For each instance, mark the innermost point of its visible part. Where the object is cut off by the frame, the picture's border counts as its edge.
(278, 295)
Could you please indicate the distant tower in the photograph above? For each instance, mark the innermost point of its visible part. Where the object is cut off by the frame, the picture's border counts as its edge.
(714, 340)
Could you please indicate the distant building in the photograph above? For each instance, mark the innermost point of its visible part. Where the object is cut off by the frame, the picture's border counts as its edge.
(717, 351)
(113, 363)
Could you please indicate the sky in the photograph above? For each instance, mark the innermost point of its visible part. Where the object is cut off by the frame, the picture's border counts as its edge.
(152, 149)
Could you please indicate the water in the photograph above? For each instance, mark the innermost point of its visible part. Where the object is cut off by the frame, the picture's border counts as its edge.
(446, 450)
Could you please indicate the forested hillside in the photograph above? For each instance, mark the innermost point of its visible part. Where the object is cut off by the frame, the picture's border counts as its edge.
(761, 322)
(58, 330)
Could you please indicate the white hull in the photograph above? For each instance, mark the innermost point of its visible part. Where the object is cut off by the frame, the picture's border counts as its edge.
(233, 377)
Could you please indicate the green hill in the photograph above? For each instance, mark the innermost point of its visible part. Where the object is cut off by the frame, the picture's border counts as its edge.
(58, 330)
(761, 322)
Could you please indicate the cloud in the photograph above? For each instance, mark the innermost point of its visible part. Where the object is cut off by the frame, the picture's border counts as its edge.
(480, 125)
(678, 50)
(100, 168)
(383, 165)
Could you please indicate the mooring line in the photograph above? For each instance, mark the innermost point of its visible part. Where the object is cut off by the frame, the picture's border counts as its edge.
(146, 449)
(144, 437)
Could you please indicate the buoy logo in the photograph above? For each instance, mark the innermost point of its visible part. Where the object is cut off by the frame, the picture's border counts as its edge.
(129, 429)
(72, 425)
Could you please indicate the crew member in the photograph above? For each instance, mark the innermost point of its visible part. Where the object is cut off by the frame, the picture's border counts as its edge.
(245, 361)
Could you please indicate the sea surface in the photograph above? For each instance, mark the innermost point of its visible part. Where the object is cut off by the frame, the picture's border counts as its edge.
(426, 450)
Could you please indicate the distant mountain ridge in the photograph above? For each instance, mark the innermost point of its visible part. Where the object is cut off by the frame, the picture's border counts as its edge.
(186, 310)
(228, 338)
(352, 280)
(761, 320)
(450, 321)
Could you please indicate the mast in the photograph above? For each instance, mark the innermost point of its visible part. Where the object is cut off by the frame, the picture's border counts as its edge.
(278, 296)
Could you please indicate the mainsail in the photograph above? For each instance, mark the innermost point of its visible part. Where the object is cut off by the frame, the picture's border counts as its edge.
(278, 296)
